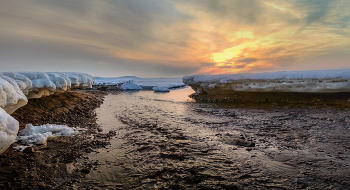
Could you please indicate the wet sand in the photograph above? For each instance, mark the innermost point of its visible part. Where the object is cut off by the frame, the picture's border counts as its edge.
(159, 141)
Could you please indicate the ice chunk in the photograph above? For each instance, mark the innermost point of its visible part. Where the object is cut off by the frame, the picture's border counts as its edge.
(39, 80)
(23, 82)
(11, 96)
(41, 84)
(8, 130)
(62, 82)
(161, 89)
(17, 88)
(80, 80)
(39, 134)
(294, 81)
(21, 147)
(35, 138)
(129, 85)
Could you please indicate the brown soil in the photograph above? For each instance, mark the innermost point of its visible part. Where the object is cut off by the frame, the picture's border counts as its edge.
(54, 165)
(278, 99)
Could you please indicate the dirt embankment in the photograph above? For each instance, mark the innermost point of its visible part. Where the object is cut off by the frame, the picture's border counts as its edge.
(273, 99)
(53, 165)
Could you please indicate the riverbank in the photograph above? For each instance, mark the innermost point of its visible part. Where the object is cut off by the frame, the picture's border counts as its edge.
(53, 165)
(277, 99)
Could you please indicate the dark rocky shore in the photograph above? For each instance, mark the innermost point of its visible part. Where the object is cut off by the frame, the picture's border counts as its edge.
(53, 165)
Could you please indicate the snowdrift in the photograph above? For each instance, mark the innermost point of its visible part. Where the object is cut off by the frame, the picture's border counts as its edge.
(17, 88)
(324, 81)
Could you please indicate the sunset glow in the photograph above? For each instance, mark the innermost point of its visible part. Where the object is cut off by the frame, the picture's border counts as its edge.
(175, 38)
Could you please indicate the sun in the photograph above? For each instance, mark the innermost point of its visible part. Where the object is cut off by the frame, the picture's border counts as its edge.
(228, 54)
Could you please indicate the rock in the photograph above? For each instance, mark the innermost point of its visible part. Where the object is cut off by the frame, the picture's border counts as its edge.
(85, 171)
(348, 100)
(41, 184)
(237, 140)
(28, 150)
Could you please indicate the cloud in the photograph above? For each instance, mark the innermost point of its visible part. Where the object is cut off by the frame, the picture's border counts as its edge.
(247, 60)
(172, 37)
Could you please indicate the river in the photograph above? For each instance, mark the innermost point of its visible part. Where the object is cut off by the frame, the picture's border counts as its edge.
(168, 141)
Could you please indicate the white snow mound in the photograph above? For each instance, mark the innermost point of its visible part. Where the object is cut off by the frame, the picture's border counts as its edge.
(322, 81)
(39, 134)
(161, 89)
(11, 96)
(17, 88)
(129, 85)
(8, 130)
(23, 82)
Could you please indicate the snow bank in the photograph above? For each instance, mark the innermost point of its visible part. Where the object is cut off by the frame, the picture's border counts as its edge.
(23, 82)
(161, 89)
(129, 85)
(38, 84)
(44, 84)
(8, 130)
(39, 134)
(283, 81)
(80, 80)
(17, 88)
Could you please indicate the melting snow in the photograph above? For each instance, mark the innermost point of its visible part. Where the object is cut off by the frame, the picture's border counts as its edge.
(294, 81)
(39, 134)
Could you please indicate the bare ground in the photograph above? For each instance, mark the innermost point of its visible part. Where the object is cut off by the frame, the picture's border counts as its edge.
(53, 166)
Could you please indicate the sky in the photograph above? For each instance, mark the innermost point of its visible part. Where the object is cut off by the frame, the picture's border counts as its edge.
(173, 38)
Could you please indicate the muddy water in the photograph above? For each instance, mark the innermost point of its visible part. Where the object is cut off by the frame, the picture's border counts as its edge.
(167, 141)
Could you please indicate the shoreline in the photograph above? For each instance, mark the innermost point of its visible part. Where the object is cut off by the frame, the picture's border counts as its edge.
(54, 164)
(277, 99)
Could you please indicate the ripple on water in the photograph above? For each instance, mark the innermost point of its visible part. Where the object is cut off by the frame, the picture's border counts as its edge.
(169, 141)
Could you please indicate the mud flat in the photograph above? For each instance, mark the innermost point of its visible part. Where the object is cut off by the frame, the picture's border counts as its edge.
(53, 165)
